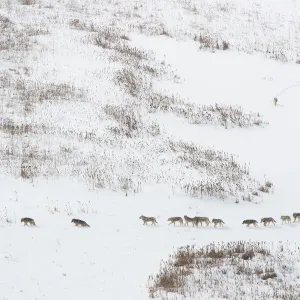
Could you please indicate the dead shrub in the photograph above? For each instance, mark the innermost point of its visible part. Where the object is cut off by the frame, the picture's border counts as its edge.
(38, 91)
(131, 81)
(263, 189)
(213, 271)
(269, 276)
(208, 42)
(248, 255)
(81, 25)
(224, 175)
(110, 38)
(8, 126)
(269, 184)
(6, 217)
(28, 2)
(218, 114)
(36, 30)
(130, 122)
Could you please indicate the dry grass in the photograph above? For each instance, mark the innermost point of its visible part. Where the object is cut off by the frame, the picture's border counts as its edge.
(227, 270)
(227, 116)
(211, 43)
(222, 176)
(28, 2)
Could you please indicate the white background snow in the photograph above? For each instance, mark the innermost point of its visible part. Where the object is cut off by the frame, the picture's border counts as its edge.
(114, 257)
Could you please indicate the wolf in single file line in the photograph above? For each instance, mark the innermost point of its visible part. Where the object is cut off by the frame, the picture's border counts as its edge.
(267, 221)
(250, 222)
(173, 220)
(286, 219)
(218, 221)
(296, 217)
(78, 222)
(148, 219)
(201, 220)
(189, 220)
(27, 221)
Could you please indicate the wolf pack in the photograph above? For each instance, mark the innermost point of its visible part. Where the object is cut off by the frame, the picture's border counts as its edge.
(195, 221)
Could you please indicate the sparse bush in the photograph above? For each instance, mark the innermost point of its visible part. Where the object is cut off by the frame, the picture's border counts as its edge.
(28, 2)
(53, 207)
(130, 123)
(225, 45)
(110, 38)
(234, 270)
(263, 189)
(217, 114)
(86, 208)
(68, 209)
(224, 177)
(11, 127)
(6, 217)
(80, 25)
(209, 42)
(248, 198)
(269, 276)
(36, 30)
(131, 81)
(39, 92)
(12, 37)
(269, 184)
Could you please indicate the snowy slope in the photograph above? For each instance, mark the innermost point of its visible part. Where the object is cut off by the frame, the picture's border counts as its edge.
(69, 151)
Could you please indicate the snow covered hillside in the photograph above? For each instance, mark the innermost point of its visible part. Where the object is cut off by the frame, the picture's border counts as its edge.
(115, 109)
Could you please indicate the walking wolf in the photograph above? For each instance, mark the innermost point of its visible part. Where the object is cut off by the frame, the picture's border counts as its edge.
(250, 222)
(148, 219)
(173, 220)
(27, 221)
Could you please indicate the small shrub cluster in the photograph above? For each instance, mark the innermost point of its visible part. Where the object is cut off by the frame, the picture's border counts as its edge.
(221, 175)
(209, 42)
(266, 187)
(6, 217)
(217, 114)
(39, 91)
(9, 126)
(12, 37)
(28, 2)
(86, 208)
(36, 30)
(130, 122)
(81, 25)
(53, 207)
(234, 270)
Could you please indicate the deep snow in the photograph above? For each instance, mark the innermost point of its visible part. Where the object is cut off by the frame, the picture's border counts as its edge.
(114, 257)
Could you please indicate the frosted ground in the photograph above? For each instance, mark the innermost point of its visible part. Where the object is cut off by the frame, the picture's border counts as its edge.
(106, 99)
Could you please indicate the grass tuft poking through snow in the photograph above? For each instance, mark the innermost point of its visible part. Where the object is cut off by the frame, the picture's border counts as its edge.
(234, 270)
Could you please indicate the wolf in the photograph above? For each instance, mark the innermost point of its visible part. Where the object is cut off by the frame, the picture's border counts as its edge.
(28, 221)
(267, 221)
(78, 222)
(173, 220)
(296, 217)
(249, 222)
(285, 219)
(201, 220)
(148, 219)
(189, 220)
(217, 221)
